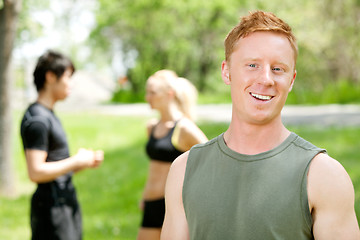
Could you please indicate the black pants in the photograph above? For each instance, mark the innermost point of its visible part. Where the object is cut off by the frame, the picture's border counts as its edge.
(55, 214)
(154, 213)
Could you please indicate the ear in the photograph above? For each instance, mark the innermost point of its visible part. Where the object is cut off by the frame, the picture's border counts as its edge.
(225, 73)
(50, 77)
(171, 93)
(292, 81)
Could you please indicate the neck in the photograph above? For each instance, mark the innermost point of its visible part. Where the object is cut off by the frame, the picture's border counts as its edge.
(252, 139)
(172, 113)
(46, 100)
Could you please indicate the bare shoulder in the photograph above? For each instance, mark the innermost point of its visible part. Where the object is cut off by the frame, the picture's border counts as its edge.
(324, 170)
(189, 130)
(328, 178)
(328, 167)
(186, 124)
(179, 165)
(325, 160)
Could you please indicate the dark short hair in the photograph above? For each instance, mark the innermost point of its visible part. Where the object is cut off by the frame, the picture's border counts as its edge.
(54, 62)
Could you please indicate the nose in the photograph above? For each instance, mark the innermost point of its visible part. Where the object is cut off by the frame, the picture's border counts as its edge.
(266, 77)
(71, 83)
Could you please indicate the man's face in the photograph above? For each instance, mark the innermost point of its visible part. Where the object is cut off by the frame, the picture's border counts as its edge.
(261, 73)
(62, 87)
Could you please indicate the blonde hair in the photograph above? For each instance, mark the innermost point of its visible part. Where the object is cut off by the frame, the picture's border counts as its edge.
(258, 21)
(184, 91)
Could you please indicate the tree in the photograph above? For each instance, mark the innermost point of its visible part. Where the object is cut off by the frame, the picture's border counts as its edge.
(342, 18)
(185, 36)
(8, 21)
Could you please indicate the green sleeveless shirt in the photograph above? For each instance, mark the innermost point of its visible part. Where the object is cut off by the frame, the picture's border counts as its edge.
(228, 195)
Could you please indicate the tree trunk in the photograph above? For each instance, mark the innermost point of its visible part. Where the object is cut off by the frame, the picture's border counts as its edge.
(8, 20)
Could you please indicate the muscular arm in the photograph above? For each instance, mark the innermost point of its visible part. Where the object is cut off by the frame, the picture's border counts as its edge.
(331, 200)
(41, 171)
(175, 224)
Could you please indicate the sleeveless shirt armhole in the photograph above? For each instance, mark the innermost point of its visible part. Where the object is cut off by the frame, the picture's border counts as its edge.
(187, 169)
(305, 200)
(175, 137)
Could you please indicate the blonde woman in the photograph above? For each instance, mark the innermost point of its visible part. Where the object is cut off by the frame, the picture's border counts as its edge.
(169, 136)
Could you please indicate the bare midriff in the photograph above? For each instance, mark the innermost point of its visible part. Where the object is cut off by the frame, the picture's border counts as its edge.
(155, 185)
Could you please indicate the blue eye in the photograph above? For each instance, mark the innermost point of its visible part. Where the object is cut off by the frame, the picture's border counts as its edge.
(252, 65)
(276, 69)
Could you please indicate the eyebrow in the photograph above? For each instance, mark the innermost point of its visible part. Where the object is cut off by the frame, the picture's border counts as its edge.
(251, 59)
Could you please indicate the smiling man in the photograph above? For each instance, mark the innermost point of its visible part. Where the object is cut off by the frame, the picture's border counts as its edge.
(258, 180)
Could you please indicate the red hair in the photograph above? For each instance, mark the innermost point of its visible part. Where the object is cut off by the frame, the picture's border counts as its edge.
(258, 21)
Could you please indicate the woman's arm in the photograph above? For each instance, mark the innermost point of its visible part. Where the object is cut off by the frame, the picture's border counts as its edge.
(187, 134)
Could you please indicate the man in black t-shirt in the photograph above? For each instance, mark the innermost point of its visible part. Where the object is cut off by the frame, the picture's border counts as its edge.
(55, 211)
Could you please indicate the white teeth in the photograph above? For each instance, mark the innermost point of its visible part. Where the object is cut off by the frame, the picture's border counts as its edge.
(261, 97)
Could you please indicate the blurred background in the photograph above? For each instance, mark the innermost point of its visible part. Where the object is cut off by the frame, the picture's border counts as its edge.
(116, 45)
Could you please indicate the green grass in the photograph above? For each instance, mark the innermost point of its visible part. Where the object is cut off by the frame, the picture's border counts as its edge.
(109, 195)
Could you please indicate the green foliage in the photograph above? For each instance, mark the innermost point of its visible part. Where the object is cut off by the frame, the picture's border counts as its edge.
(187, 36)
(220, 95)
(127, 96)
(29, 29)
(342, 92)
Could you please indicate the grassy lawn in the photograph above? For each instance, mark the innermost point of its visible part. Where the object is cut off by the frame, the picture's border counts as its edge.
(109, 195)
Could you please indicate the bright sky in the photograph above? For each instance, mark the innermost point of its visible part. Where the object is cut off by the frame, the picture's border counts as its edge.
(58, 34)
(62, 35)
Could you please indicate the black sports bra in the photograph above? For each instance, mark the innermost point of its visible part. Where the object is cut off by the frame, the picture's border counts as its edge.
(162, 149)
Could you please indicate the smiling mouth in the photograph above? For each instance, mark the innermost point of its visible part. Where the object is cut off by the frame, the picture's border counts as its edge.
(261, 97)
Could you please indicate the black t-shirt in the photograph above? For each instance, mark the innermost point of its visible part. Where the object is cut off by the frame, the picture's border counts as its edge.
(55, 212)
(42, 130)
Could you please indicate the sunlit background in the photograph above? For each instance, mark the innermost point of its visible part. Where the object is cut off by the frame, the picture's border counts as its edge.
(121, 43)
(117, 44)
